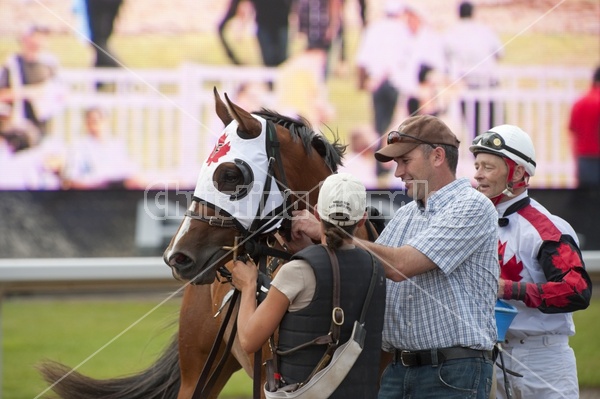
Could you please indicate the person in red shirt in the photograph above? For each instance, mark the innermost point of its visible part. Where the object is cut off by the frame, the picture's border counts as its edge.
(584, 126)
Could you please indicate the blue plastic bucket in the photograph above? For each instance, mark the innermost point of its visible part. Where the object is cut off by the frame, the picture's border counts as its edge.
(505, 313)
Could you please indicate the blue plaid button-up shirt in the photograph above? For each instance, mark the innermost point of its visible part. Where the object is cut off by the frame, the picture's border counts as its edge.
(452, 305)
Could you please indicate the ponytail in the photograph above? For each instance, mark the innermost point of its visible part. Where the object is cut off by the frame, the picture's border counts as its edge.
(335, 235)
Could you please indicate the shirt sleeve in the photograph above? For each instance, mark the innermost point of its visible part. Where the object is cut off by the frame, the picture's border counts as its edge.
(457, 233)
(568, 287)
(296, 280)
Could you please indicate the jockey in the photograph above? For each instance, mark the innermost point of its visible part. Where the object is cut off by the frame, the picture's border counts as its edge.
(542, 272)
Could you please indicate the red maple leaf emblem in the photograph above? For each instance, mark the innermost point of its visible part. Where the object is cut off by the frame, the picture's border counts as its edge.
(221, 149)
(509, 269)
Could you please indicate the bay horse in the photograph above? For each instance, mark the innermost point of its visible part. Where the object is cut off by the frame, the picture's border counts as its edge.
(249, 196)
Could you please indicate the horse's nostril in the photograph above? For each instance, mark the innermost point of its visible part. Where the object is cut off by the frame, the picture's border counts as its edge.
(179, 260)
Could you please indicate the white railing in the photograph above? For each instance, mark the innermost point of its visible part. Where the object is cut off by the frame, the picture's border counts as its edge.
(133, 269)
(168, 118)
(539, 100)
(47, 270)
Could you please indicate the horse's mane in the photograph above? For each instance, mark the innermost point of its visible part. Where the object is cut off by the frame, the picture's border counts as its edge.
(300, 129)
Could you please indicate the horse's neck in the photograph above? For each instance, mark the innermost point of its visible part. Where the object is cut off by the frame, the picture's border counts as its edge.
(367, 232)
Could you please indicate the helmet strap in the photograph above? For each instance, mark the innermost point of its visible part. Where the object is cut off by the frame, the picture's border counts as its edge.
(510, 185)
(496, 200)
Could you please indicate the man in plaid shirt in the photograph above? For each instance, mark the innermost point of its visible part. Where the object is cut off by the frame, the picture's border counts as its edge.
(440, 257)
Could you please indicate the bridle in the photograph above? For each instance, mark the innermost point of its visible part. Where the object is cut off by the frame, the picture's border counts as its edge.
(256, 244)
(275, 173)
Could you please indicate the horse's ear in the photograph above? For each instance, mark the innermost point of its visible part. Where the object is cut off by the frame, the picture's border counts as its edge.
(222, 111)
(249, 127)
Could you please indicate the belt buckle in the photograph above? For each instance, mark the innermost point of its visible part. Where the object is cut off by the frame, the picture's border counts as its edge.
(402, 354)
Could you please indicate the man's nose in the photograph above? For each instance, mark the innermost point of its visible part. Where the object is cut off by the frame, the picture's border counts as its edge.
(478, 174)
(400, 170)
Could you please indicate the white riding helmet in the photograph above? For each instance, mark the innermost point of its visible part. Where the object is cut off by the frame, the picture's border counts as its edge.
(507, 141)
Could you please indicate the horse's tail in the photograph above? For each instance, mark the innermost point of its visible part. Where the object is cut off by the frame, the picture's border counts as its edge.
(159, 381)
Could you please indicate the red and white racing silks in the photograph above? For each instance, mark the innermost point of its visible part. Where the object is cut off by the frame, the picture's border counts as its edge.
(543, 267)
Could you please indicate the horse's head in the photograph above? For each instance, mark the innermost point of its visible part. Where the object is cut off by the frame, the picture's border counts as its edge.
(262, 166)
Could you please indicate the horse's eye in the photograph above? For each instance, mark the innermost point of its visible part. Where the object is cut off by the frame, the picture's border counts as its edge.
(227, 177)
(234, 179)
(232, 176)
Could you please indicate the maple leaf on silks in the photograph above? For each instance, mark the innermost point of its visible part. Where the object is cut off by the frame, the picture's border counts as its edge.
(221, 149)
(511, 269)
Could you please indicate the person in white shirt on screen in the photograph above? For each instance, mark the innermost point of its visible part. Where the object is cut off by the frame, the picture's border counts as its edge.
(473, 50)
(97, 160)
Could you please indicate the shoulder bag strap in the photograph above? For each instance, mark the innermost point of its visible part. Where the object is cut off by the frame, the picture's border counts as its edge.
(337, 316)
(337, 313)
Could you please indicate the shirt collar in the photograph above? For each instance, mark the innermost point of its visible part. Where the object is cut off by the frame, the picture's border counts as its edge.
(440, 198)
(503, 206)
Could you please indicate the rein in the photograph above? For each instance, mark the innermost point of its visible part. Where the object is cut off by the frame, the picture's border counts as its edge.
(205, 382)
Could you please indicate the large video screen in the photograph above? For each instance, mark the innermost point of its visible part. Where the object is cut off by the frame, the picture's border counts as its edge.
(128, 104)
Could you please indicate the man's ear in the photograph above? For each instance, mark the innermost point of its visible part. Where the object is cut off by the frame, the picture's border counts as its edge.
(519, 173)
(439, 155)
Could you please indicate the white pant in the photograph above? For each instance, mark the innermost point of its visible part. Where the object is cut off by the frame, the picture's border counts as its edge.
(547, 364)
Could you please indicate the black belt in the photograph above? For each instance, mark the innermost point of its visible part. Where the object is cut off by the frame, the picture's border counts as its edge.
(437, 356)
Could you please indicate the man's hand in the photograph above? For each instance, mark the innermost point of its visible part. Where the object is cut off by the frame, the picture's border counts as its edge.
(305, 223)
(298, 244)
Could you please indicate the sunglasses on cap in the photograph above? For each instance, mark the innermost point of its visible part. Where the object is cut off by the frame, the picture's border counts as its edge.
(396, 137)
(496, 142)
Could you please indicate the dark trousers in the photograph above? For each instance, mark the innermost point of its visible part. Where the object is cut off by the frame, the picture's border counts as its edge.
(385, 99)
(588, 172)
(273, 45)
(101, 17)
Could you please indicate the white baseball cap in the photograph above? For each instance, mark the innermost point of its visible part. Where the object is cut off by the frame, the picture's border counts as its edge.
(342, 200)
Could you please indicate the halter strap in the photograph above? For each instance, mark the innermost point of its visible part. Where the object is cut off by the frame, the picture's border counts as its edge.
(273, 149)
(225, 220)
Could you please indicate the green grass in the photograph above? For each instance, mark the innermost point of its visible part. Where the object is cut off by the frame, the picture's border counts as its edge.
(71, 331)
(552, 49)
(586, 345)
(107, 337)
(169, 51)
